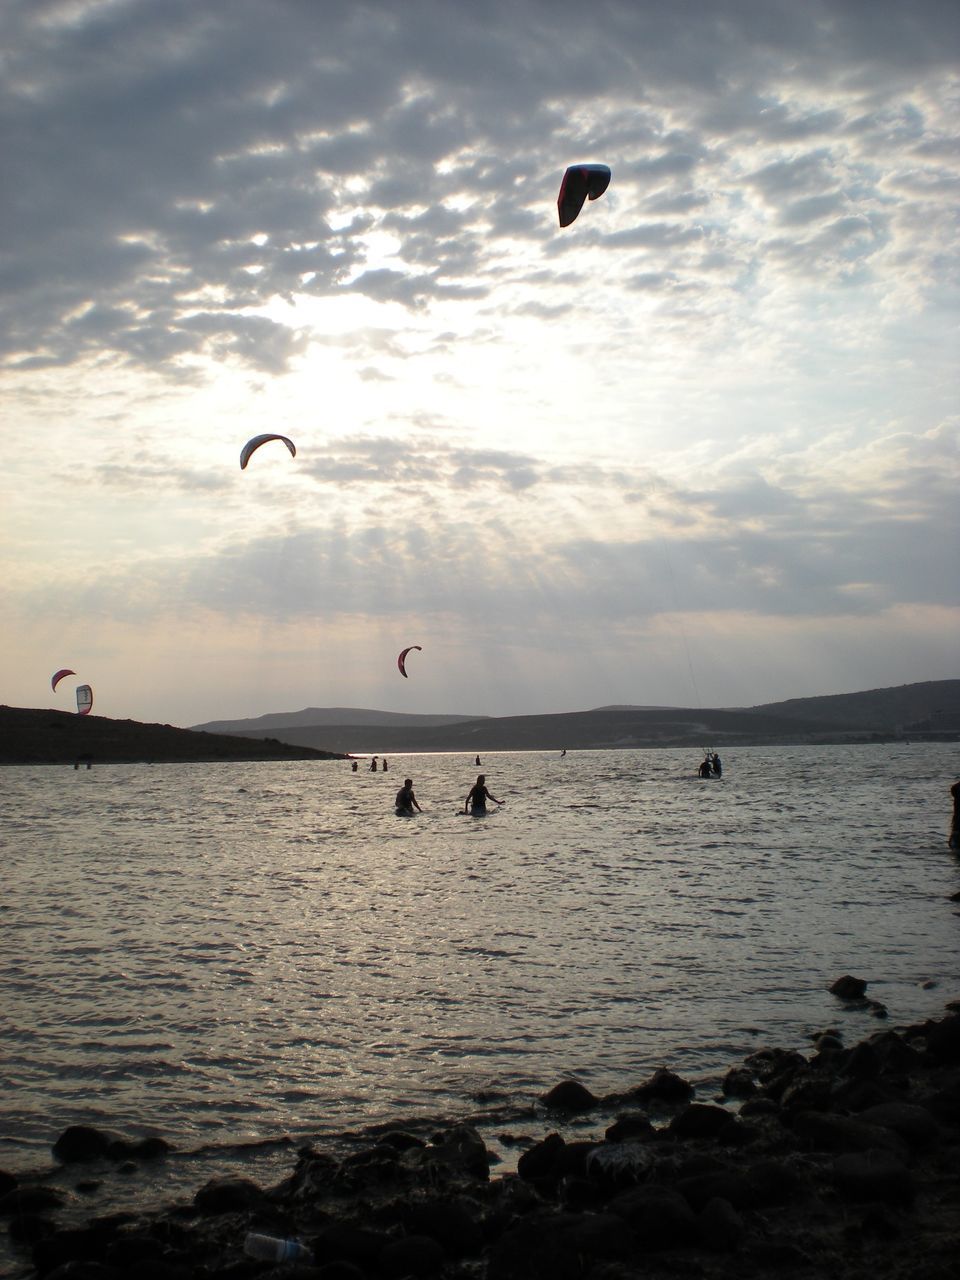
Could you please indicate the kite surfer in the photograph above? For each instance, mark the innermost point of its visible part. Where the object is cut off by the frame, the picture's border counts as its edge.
(477, 797)
(705, 768)
(406, 801)
(716, 765)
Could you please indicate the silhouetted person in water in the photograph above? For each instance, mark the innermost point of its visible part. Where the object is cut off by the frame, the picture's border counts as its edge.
(373, 765)
(717, 766)
(477, 797)
(706, 768)
(954, 841)
(406, 801)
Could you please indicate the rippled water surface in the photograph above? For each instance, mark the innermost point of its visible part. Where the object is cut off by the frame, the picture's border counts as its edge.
(223, 954)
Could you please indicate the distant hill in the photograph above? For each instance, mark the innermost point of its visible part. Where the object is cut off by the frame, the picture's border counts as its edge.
(930, 710)
(316, 716)
(907, 707)
(33, 736)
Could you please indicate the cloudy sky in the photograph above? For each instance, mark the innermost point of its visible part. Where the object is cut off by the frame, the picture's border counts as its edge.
(698, 448)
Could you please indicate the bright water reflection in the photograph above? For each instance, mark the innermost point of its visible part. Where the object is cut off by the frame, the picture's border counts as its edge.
(217, 952)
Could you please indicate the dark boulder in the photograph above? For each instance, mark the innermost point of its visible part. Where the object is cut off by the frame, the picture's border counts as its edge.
(81, 1142)
(411, 1257)
(569, 1095)
(943, 1040)
(848, 988)
(724, 1184)
(630, 1128)
(720, 1227)
(739, 1083)
(659, 1217)
(559, 1246)
(663, 1086)
(228, 1195)
(873, 1176)
(915, 1125)
(31, 1199)
(819, 1131)
(699, 1120)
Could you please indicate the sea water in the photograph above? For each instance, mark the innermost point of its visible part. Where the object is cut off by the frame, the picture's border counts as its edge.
(245, 957)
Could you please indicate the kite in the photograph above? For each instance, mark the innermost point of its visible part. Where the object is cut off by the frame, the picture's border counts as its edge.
(58, 676)
(403, 657)
(252, 445)
(579, 182)
(84, 699)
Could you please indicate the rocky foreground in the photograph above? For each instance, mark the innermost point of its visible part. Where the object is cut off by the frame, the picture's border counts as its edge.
(841, 1164)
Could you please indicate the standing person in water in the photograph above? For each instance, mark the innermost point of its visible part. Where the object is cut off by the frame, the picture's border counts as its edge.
(477, 797)
(406, 801)
(954, 841)
(717, 766)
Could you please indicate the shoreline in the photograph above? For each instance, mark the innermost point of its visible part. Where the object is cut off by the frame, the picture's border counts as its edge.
(844, 1162)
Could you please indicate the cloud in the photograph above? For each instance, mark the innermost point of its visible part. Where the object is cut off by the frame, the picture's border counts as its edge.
(725, 393)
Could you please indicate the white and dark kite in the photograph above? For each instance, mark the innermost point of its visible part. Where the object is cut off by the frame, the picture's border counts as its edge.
(252, 445)
(579, 182)
(58, 676)
(401, 661)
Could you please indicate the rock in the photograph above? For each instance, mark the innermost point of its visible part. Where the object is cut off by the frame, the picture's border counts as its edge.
(28, 1228)
(461, 1151)
(542, 1160)
(659, 1217)
(739, 1083)
(339, 1271)
(620, 1164)
(82, 1142)
(71, 1245)
(772, 1182)
(348, 1242)
(82, 1270)
(7, 1182)
(31, 1199)
(720, 1227)
(823, 1132)
(759, 1107)
(228, 1195)
(635, 1128)
(915, 1125)
(848, 988)
(569, 1095)
(775, 1068)
(549, 1246)
(724, 1184)
(412, 1256)
(699, 1120)
(144, 1149)
(401, 1141)
(873, 1175)
(663, 1086)
(130, 1249)
(453, 1222)
(943, 1040)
